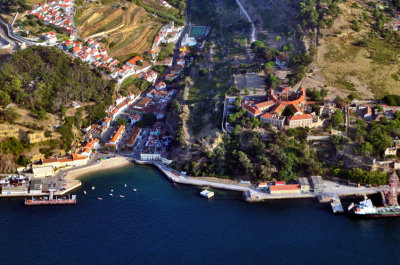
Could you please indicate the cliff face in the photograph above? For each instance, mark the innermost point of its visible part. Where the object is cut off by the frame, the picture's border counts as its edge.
(7, 164)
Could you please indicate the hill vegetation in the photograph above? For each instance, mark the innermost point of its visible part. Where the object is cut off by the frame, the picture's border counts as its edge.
(358, 51)
(46, 80)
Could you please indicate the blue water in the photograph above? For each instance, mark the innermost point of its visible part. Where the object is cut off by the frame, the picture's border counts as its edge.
(159, 224)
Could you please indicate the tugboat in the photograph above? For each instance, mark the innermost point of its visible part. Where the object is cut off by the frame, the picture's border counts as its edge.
(391, 208)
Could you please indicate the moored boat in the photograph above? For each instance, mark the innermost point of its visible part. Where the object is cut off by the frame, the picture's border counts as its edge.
(391, 208)
(207, 194)
(366, 209)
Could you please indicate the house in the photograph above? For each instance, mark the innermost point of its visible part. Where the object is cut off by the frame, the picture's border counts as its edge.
(160, 86)
(88, 148)
(117, 136)
(285, 189)
(274, 119)
(171, 77)
(142, 103)
(157, 94)
(51, 37)
(133, 61)
(392, 151)
(107, 122)
(134, 118)
(97, 131)
(303, 120)
(133, 137)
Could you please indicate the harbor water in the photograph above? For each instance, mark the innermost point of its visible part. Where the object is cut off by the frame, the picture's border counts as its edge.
(162, 224)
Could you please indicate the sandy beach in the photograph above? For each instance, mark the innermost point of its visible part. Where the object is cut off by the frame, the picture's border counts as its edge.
(110, 163)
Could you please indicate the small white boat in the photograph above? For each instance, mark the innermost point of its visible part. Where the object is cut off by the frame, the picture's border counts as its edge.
(112, 195)
(84, 192)
(122, 196)
(134, 189)
(99, 198)
(126, 185)
(112, 190)
(207, 194)
(93, 187)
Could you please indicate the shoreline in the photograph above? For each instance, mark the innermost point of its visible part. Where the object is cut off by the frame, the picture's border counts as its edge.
(250, 193)
(104, 165)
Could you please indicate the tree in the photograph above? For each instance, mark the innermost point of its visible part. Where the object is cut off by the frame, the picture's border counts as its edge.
(337, 118)
(23, 160)
(9, 115)
(121, 121)
(148, 119)
(244, 162)
(42, 115)
(5, 98)
(316, 108)
(272, 81)
(203, 71)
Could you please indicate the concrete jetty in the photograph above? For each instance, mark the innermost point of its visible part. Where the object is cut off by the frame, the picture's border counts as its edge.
(252, 194)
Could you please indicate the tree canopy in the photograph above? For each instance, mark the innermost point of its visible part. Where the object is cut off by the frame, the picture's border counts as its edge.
(44, 78)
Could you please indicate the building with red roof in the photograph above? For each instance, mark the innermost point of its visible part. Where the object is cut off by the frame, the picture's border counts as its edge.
(303, 120)
(285, 189)
(252, 111)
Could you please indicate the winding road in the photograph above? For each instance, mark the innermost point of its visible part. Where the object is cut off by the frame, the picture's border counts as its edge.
(253, 28)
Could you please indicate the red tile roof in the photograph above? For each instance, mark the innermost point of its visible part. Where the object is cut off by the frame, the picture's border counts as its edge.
(134, 60)
(279, 108)
(269, 115)
(251, 109)
(265, 104)
(118, 133)
(300, 117)
(284, 187)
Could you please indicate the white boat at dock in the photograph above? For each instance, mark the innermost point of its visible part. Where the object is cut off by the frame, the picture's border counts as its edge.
(207, 194)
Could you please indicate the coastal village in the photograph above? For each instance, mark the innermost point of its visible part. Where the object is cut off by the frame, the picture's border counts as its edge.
(281, 108)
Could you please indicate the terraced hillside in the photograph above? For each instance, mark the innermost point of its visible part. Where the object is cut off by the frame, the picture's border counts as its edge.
(128, 28)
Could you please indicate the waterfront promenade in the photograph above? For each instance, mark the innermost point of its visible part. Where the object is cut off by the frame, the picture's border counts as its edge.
(252, 194)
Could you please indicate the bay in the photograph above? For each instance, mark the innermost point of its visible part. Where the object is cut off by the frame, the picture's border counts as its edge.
(159, 224)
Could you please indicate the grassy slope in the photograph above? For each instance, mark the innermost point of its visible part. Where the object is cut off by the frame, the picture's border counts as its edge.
(350, 68)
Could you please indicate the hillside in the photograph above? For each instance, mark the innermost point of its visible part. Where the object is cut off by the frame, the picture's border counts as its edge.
(357, 54)
(125, 27)
(41, 83)
(47, 79)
